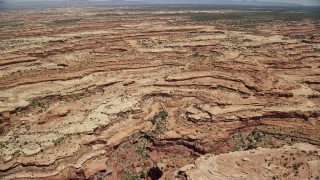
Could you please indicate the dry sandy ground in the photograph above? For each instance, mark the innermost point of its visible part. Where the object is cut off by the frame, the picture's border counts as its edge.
(86, 94)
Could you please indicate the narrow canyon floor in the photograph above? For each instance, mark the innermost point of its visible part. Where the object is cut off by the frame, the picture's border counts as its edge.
(159, 93)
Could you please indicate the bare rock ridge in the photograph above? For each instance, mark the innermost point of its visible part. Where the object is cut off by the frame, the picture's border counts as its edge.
(120, 93)
(289, 162)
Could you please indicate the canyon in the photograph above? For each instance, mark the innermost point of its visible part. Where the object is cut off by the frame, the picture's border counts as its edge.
(150, 92)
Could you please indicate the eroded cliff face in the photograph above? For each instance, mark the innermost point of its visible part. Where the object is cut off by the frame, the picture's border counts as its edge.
(134, 94)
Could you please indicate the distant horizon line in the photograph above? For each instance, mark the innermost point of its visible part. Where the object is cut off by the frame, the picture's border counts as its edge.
(183, 2)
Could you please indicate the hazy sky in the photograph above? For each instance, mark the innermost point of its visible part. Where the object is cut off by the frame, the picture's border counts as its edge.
(303, 2)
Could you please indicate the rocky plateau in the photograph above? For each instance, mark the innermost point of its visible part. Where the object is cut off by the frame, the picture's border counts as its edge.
(152, 93)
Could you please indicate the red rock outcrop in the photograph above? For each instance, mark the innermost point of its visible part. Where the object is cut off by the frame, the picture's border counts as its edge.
(86, 94)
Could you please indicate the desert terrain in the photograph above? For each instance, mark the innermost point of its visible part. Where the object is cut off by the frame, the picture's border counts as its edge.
(159, 93)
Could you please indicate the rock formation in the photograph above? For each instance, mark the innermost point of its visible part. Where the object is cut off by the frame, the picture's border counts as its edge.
(110, 93)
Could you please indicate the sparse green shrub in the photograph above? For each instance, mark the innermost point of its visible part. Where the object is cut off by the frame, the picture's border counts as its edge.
(142, 150)
(258, 136)
(296, 166)
(162, 115)
(130, 174)
(159, 121)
